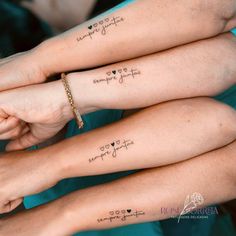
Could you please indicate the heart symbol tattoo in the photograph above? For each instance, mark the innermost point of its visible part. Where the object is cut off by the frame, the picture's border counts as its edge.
(120, 70)
(125, 70)
(128, 210)
(90, 27)
(108, 73)
(118, 142)
(102, 149)
(113, 144)
(114, 72)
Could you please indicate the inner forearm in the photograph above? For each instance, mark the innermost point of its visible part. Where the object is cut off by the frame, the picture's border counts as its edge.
(207, 177)
(140, 28)
(152, 194)
(157, 136)
(188, 71)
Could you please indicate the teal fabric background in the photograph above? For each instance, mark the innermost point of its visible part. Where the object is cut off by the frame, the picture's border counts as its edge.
(234, 31)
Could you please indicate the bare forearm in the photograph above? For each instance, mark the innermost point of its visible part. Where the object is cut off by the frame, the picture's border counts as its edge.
(145, 196)
(211, 175)
(188, 71)
(140, 28)
(157, 136)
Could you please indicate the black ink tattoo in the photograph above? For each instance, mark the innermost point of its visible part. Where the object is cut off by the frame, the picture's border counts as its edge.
(112, 149)
(119, 75)
(121, 215)
(101, 27)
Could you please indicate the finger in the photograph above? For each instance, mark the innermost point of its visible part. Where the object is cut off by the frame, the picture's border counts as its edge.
(13, 134)
(24, 129)
(10, 206)
(23, 142)
(8, 124)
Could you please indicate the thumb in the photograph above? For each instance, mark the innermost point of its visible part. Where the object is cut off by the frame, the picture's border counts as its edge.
(23, 142)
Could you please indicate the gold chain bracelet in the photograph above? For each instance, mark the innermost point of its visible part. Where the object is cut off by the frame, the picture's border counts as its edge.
(75, 111)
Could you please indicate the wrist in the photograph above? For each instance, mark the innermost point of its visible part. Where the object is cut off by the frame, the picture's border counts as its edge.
(50, 160)
(56, 55)
(82, 92)
(75, 215)
(63, 103)
(41, 56)
(48, 56)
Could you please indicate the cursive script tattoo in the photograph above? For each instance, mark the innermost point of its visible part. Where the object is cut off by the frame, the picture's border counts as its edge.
(112, 149)
(101, 27)
(119, 75)
(121, 215)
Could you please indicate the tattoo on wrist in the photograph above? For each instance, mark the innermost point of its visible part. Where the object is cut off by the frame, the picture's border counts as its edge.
(121, 215)
(101, 27)
(120, 76)
(112, 149)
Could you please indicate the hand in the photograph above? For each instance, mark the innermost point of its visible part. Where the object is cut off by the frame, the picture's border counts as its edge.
(24, 173)
(22, 69)
(33, 114)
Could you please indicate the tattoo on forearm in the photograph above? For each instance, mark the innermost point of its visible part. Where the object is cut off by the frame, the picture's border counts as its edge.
(119, 76)
(121, 215)
(112, 149)
(101, 27)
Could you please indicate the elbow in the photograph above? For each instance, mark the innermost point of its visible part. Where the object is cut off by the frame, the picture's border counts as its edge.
(225, 121)
(230, 163)
(221, 15)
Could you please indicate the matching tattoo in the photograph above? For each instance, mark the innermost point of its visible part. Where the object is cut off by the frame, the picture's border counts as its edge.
(121, 215)
(112, 150)
(101, 27)
(120, 76)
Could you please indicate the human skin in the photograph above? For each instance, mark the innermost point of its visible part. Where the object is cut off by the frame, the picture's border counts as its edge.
(211, 175)
(54, 12)
(147, 26)
(178, 130)
(203, 68)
